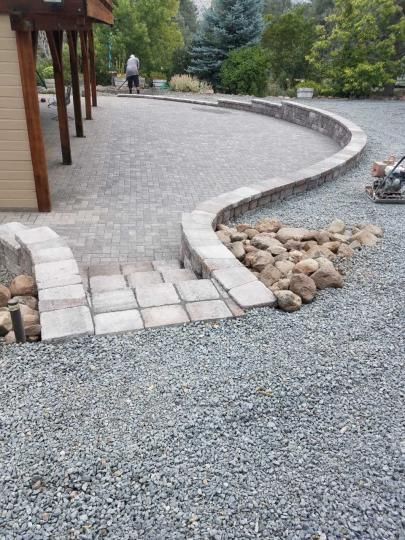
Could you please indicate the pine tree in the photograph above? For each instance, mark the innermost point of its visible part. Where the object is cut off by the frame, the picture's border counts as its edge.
(227, 25)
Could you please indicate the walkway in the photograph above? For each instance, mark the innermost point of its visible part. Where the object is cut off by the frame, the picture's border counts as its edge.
(145, 162)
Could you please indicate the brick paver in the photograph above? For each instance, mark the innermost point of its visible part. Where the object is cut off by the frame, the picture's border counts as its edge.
(144, 162)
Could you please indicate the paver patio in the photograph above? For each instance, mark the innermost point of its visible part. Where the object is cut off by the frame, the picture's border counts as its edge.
(145, 162)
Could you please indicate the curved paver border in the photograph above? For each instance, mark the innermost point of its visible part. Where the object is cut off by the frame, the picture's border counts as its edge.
(40, 252)
(202, 251)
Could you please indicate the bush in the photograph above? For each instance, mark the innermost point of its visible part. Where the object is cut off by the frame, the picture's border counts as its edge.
(47, 72)
(245, 71)
(187, 83)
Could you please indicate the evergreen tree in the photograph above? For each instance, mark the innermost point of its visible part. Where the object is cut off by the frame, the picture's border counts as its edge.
(277, 7)
(226, 26)
(187, 21)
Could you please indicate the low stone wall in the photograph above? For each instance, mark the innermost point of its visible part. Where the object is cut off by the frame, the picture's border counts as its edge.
(43, 254)
(202, 251)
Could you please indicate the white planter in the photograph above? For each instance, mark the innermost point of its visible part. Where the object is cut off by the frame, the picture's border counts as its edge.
(305, 93)
(159, 83)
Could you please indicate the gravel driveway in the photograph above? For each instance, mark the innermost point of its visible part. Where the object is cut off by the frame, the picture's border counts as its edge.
(274, 426)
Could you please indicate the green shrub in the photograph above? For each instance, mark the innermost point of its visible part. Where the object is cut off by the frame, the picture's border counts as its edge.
(245, 71)
(47, 72)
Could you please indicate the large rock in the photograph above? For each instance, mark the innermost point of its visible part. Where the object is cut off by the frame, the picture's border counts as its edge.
(30, 320)
(373, 229)
(268, 225)
(345, 251)
(281, 285)
(346, 237)
(332, 246)
(288, 301)
(284, 266)
(304, 286)
(224, 237)
(228, 230)
(292, 245)
(250, 249)
(337, 226)
(270, 275)
(307, 266)
(238, 250)
(33, 330)
(29, 301)
(10, 338)
(327, 277)
(242, 227)
(324, 237)
(5, 322)
(251, 233)
(365, 237)
(319, 251)
(296, 233)
(5, 296)
(261, 259)
(265, 241)
(23, 286)
(26, 310)
(238, 236)
(295, 256)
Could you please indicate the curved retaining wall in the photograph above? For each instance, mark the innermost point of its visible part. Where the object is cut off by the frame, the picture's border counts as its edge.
(62, 299)
(202, 251)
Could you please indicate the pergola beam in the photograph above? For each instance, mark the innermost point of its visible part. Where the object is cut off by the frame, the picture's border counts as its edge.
(74, 69)
(28, 82)
(55, 40)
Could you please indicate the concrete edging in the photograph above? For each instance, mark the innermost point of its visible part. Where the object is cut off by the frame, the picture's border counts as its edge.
(203, 252)
(62, 298)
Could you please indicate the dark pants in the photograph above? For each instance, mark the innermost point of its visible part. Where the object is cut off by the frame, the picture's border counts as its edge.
(133, 80)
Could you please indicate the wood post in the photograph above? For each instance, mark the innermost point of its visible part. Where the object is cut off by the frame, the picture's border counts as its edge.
(86, 71)
(93, 78)
(55, 39)
(32, 113)
(74, 70)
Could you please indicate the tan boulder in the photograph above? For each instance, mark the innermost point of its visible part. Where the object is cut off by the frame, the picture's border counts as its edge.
(337, 226)
(282, 257)
(281, 285)
(33, 330)
(238, 237)
(5, 321)
(325, 263)
(295, 256)
(242, 227)
(269, 275)
(296, 233)
(5, 295)
(268, 225)
(10, 338)
(345, 251)
(224, 237)
(29, 320)
(346, 237)
(293, 245)
(288, 301)
(276, 247)
(251, 233)
(284, 266)
(332, 246)
(238, 250)
(355, 245)
(261, 260)
(373, 229)
(29, 301)
(319, 251)
(327, 277)
(307, 266)
(304, 286)
(23, 286)
(324, 237)
(263, 241)
(250, 249)
(365, 238)
(308, 245)
(249, 258)
(222, 227)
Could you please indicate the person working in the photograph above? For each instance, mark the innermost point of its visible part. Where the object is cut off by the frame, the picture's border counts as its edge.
(132, 73)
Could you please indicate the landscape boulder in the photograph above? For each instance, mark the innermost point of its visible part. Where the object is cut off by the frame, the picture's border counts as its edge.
(327, 277)
(288, 301)
(5, 295)
(304, 286)
(23, 286)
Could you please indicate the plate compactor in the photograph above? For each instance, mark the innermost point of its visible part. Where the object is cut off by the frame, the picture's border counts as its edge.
(389, 184)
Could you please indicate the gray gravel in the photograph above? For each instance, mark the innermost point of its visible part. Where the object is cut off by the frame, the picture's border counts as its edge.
(274, 426)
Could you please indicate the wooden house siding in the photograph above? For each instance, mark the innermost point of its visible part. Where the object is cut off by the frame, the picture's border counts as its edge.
(17, 184)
